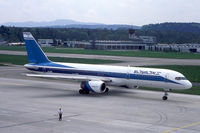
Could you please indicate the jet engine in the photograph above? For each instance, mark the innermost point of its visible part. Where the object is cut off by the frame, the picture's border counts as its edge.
(93, 86)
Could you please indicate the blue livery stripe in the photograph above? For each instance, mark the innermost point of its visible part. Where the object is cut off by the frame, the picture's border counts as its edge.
(88, 87)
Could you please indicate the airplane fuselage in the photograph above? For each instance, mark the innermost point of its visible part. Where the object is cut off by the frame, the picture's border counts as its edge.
(130, 77)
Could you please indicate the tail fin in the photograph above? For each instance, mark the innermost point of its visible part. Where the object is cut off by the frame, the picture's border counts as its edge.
(34, 52)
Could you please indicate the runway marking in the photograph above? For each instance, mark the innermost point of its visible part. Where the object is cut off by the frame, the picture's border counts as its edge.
(189, 125)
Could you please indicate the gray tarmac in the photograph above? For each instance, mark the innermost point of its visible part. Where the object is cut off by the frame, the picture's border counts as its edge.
(30, 105)
(132, 61)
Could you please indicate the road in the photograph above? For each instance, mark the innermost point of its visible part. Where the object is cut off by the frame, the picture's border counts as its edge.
(132, 61)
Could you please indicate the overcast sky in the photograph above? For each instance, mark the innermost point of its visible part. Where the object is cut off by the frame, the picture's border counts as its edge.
(134, 12)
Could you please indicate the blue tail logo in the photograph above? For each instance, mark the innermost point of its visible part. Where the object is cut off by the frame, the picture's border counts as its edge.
(34, 52)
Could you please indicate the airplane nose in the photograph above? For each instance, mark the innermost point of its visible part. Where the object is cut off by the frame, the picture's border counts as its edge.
(188, 85)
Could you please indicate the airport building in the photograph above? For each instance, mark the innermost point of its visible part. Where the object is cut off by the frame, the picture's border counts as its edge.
(17, 44)
(194, 48)
(134, 43)
(45, 42)
(116, 45)
(75, 44)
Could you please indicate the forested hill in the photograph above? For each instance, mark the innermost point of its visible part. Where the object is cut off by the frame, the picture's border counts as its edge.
(178, 27)
(14, 34)
(173, 32)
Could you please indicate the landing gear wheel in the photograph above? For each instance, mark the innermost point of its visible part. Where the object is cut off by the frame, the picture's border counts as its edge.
(86, 92)
(164, 97)
(81, 91)
(107, 90)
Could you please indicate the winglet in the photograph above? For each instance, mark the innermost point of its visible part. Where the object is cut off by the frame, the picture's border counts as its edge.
(34, 52)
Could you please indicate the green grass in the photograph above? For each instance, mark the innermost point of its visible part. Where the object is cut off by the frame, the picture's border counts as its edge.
(192, 73)
(195, 90)
(111, 53)
(13, 48)
(21, 60)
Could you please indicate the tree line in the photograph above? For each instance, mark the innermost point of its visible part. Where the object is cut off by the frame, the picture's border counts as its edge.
(165, 33)
(11, 34)
(173, 32)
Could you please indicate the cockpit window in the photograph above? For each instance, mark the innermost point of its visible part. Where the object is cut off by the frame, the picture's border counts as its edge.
(180, 78)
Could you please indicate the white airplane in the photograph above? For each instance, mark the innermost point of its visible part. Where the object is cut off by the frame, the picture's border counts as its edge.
(97, 78)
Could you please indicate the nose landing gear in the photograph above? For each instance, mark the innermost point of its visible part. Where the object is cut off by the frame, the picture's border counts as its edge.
(165, 94)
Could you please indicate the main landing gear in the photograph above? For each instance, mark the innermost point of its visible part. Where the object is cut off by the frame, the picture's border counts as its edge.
(165, 94)
(82, 91)
(107, 90)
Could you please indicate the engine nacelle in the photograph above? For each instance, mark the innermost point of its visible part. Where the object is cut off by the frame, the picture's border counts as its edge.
(94, 86)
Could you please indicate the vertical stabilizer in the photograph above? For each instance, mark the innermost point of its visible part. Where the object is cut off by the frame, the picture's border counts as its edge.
(34, 52)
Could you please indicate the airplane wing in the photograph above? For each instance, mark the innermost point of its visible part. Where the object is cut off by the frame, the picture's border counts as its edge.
(74, 77)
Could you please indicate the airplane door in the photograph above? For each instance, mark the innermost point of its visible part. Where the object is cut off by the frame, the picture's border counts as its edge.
(131, 83)
(166, 77)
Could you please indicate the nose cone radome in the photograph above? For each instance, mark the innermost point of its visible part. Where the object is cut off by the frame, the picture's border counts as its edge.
(188, 85)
